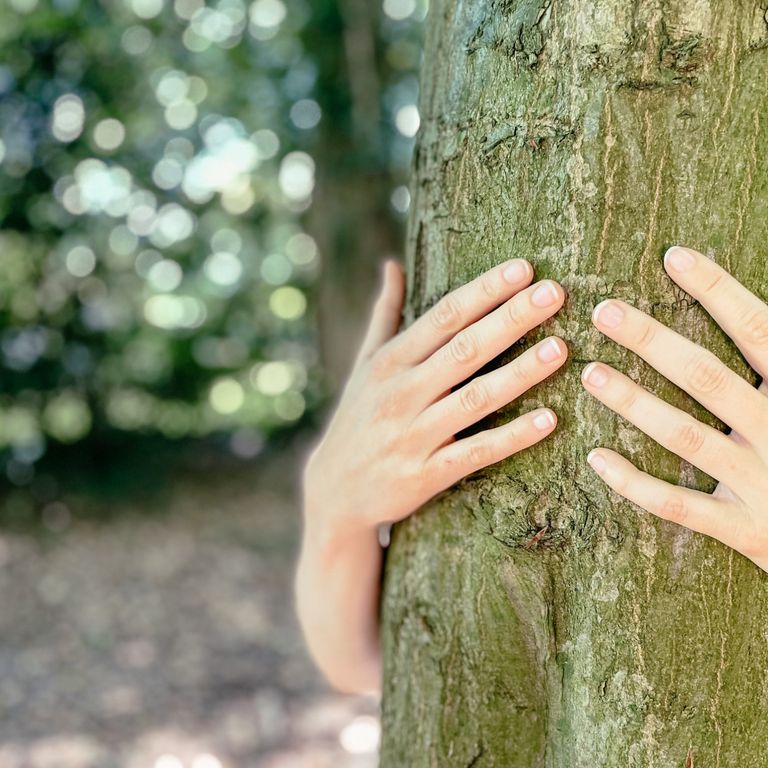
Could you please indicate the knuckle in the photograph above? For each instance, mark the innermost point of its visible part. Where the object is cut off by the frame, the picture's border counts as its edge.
(714, 283)
(687, 439)
(708, 376)
(646, 335)
(462, 349)
(520, 374)
(755, 328)
(489, 284)
(627, 399)
(673, 507)
(753, 540)
(474, 397)
(440, 470)
(478, 454)
(429, 474)
(514, 313)
(446, 314)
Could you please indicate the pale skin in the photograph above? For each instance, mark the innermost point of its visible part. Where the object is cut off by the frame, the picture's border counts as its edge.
(390, 445)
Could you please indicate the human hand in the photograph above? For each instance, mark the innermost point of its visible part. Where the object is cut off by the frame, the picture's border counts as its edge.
(737, 512)
(390, 445)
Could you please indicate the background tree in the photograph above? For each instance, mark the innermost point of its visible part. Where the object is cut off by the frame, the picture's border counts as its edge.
(531, 618)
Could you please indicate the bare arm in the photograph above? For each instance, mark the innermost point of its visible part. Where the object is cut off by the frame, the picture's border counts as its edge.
(390, 445)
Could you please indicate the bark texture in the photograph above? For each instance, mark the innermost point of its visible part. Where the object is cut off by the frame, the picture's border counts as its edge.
(586, 136)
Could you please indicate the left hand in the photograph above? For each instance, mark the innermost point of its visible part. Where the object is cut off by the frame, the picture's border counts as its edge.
(737, 512)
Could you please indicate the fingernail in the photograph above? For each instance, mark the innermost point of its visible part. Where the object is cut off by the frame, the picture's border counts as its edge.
(608, 313)
(596, 461)
(679, 258)
(545, 295)
(544, 420)
(549, 351)
(595, 375)
(517, 271)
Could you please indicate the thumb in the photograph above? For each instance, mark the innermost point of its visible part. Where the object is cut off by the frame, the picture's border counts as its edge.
(385, 316)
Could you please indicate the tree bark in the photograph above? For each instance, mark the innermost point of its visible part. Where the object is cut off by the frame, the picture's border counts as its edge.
(587, 137)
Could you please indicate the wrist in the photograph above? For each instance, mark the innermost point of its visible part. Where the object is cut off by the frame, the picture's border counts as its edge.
(329, 535)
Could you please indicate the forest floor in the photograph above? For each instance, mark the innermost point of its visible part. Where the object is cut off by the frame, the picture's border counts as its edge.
(165, 637)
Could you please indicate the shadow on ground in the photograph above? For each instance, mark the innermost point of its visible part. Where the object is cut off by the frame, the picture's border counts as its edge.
(168, 640)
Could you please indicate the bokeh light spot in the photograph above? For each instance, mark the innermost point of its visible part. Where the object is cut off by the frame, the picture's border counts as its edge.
(67, 417)
(407, 120)
(287, 302)
(172, 87)
(400, 199)
(267, 13)
(166, 275)
(297, 176)
(181, 115)
(186, 9)
(290, 405)
(174, 312)
(168, 173)
(275, 269)
(109, 134)
(272, 378)
(136, 40)
(80, 261)
(146, 9)
(361, 736)
(301, 249)
(399, 9)
(305, 114)
(226, 396)
(223, 268)
(68, 117)
(266, 142)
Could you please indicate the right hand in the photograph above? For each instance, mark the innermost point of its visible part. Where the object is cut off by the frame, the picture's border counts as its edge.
(390, 445)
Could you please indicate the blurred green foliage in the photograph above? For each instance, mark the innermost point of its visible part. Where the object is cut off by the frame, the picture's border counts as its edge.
(158, 163)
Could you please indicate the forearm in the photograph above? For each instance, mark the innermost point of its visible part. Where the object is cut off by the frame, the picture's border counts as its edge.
(337, 599)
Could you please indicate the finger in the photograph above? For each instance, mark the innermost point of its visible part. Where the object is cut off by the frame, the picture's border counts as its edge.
(385, 317)
(489, 392)
(458, 309)
(694, 369)
(741, 314)
(461, 457)
(471, 348)
(698, 511)
(705, 447)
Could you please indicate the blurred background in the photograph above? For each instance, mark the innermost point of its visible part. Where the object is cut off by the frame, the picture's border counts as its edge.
(195, 199)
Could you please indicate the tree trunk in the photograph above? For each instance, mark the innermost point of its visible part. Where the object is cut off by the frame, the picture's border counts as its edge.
(586, 136)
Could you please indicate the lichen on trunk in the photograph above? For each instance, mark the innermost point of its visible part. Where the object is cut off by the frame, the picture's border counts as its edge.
(531, 618)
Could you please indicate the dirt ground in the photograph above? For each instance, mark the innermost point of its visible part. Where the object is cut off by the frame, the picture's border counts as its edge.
(165, 637)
